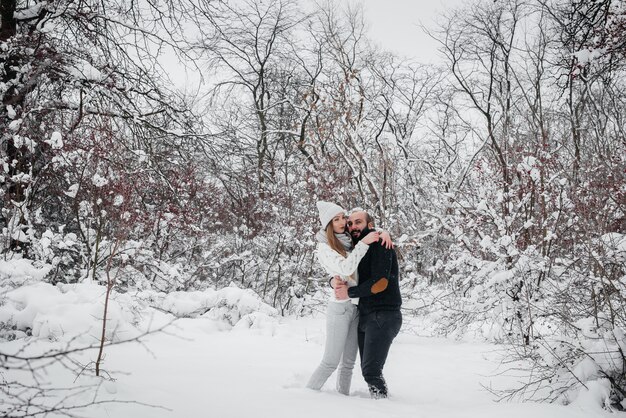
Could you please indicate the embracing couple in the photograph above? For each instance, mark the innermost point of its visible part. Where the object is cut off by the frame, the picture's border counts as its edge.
(364, 310)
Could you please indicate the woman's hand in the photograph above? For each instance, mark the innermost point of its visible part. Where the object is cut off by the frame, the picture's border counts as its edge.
(341, 292)
(336, 281)
(385, 239)
(371, 238)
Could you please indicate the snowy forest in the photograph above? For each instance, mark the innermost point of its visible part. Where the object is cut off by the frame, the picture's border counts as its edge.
(164, 157)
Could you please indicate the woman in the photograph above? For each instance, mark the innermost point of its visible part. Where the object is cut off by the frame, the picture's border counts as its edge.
(339, 258)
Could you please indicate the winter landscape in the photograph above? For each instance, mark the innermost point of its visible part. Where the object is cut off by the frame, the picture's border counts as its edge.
(162, 162)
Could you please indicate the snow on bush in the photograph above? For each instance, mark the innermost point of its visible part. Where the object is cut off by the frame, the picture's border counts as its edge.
(31, 307)
(258, 321)
(615, 246)
(66, 311)
(230, 304)
(21, 271)
(561, 316)
(594, 393)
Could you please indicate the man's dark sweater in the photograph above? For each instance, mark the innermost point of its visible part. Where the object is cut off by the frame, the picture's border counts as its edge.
(378, 287)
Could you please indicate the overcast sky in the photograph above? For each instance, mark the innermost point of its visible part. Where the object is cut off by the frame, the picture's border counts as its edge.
(395, 24)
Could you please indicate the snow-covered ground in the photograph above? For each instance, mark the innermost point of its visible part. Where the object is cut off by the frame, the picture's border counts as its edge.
(196, 370)
(235, 357)
(245, 373)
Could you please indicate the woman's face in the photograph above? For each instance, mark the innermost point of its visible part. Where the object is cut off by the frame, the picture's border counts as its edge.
(339, 223)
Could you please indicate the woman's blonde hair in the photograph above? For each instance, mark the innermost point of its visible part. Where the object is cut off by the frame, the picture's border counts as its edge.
(335, 244)
(333, 241)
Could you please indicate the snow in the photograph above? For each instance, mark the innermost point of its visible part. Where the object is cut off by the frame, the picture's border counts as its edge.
(529, 165)
(15, 125)
(196, 369)
(595, 393)
(21, 271)
(501, 277)
(615, 245)
(72, 190)
(119, 199)
(99, 181)
(55, 141)
(141, 155)
(19, 235)
(586, 56)
(22, 141)
(66, 311)
(230, 304)
(226, 353)
(28, 13)
(11, 112)
(83, 70)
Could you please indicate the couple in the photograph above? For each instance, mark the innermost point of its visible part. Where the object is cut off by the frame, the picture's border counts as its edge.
(365, 271)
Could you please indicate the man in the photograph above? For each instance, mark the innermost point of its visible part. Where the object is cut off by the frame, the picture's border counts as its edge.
(379, 304)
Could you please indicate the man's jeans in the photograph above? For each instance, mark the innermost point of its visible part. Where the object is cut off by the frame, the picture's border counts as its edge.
(342, 320)
(376, 333)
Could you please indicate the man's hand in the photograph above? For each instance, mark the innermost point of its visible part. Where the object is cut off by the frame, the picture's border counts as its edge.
(385, 240)
(341, 291)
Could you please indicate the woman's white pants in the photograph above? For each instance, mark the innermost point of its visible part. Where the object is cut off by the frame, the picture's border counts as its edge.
(342, 321)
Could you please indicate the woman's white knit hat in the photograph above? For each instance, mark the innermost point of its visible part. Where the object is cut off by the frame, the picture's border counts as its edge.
(328, 211)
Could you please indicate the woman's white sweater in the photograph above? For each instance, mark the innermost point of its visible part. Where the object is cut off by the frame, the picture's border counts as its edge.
(337, 265)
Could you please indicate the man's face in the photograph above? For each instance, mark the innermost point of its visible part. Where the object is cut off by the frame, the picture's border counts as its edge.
(357, 222)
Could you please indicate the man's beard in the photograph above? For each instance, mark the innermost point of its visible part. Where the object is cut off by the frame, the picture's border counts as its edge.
(362, 234)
